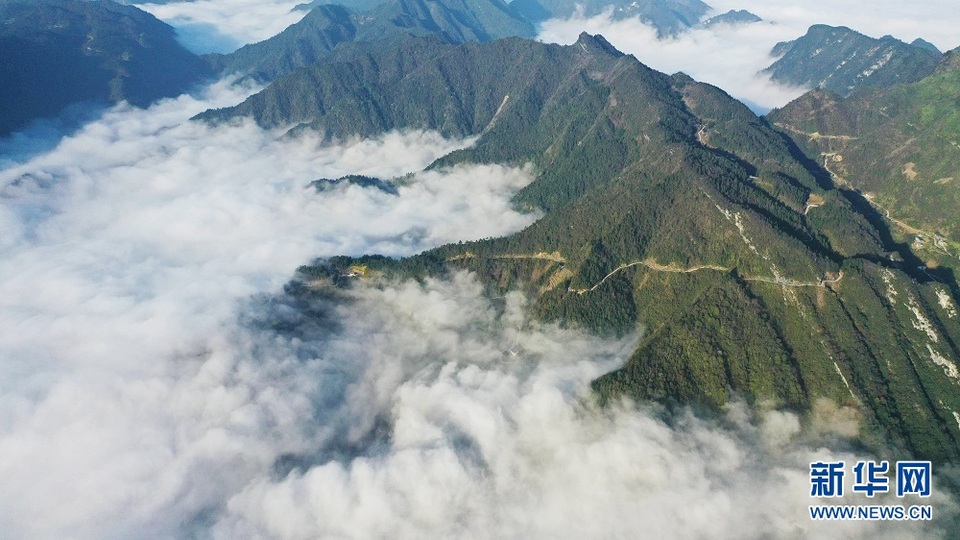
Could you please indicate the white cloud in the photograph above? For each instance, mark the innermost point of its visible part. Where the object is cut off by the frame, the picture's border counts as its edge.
(224, 25)
(485, 444)
(129, 398)
(725, 56)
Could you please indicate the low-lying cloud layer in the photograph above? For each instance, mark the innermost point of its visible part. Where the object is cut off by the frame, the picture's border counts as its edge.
(491, 434)
(156, 382)
(221, 26)
(126, 251)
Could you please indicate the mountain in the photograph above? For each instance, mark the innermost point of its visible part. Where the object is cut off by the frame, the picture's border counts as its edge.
(531, 10)
(900, 146)
(668, 204)
(353, 5)
(327, 26)
(669, 17)
(842, 60)
(733, 18)
(325, 184)
(950, 61)
(61, 52)
(356, 6)
(924, 44)
(457, 20)
(300, 44)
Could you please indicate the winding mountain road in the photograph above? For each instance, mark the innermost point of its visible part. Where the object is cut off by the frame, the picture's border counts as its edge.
(656, 267)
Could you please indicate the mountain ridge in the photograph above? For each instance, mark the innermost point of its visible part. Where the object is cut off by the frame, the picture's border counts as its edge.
(899, 146)
(732, 17)
(842, 60)
(326, 28)
(669, 17)
(669, 204)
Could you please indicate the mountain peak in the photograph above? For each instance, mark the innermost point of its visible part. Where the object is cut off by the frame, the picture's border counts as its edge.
(596, 43)
(924, 44)
(821, 27)
(733, 18)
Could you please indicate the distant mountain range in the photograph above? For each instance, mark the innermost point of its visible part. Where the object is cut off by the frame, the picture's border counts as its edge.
(114, 52)
(60, 52)
(668, 204)
(326, 27)
(900, 146)
(842, 60)
(350, 27)
(669, 17)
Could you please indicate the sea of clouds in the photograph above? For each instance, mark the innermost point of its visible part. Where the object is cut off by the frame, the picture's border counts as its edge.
(221, 26)
(156, 381)
(127, 248)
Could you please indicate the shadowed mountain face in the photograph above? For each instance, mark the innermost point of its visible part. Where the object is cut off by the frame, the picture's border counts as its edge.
(61, 52)
(841, 60)
(671, 205)
(900, 146)
(326, 27)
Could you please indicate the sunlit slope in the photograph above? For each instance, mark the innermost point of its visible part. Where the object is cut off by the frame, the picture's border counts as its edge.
(668, 204)
(900, 146)
(841, 60)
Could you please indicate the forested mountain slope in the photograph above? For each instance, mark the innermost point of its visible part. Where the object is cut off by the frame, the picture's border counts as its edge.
(60, 52)
(671, 205)
(327, 26)
(900, 146)
(841, 60)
